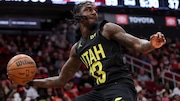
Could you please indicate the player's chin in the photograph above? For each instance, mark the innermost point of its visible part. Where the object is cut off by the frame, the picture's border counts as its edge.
(93, 22)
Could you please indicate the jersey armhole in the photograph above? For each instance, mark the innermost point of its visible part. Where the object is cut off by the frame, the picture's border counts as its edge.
(76, 47)
(102, 24)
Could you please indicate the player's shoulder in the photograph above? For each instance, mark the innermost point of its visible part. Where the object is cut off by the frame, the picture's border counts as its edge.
(102, 23)
(73, 50)
(108, 25)
(109, 29)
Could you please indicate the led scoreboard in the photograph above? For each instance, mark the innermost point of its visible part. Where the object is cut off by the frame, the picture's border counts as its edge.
(159, 4)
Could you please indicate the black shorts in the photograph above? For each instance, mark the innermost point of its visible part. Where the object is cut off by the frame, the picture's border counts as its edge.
(115, 92)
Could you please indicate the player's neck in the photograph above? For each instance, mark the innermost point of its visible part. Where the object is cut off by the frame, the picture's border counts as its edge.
(86, 30)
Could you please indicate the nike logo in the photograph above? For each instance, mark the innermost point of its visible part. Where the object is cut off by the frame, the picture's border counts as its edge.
(118, 99)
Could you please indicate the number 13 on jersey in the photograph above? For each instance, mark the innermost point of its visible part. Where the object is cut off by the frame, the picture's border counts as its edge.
(97, 72)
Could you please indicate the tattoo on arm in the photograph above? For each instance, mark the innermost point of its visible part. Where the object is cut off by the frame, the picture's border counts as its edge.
(137, 44)
(46, 82)
(57, 81)
(145, 46)
(66, 74)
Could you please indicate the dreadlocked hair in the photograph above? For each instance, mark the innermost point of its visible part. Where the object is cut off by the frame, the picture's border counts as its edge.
(76, 10)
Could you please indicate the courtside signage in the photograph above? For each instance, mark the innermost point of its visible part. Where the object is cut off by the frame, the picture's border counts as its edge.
(168, 21)
(171, 21)
(125, 19)
(141, 20)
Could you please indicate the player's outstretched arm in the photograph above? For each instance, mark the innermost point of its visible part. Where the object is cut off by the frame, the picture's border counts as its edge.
(115, 32)
(67, 72)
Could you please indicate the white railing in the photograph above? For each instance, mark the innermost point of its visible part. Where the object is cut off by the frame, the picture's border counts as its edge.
(171, 76)
(137, 63)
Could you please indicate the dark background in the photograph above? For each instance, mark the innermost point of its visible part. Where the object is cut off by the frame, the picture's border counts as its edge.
(49, 15)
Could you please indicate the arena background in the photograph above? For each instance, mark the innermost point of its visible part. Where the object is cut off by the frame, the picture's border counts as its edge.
(25, 19)
(48, 12)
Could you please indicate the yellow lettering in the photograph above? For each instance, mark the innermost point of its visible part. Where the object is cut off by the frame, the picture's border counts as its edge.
(92, 36)
(97, 72)
(91, 59)
(99, 52)
(86, 57)
(118, 99)
(84, 61)
(92, 56)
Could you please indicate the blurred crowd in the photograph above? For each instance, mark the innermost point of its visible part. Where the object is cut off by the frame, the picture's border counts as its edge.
(51, 51)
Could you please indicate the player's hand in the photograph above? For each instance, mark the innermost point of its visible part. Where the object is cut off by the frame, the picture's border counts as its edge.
(14, 82)
(9, 78)
(157, 40)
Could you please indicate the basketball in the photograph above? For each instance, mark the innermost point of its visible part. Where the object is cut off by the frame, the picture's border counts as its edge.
(21, 69)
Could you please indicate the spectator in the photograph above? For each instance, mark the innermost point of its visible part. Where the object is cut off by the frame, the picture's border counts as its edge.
(175, 65)
(153, 61)
(59, 62)
(166, 88)
(142, 76)
(20, 95)
(31, 92)
(177, 43)
(141, 96)
(71, 89)
(42, 94)
(158, 98)
(52, 71)
(58, 95)
(6, 84)
(137, 85)
(166, 63)
(50, 92)
(175, 98)
(17, 97)
(165, 96)
(13, 90)
(41, 73)
(2, 95)
(176, 90)
(71, 34)
(86, 83)
(47, 62)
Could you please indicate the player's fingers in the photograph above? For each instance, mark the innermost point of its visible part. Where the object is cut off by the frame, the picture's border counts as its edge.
(7, 75)
(164, 40)
(159, 35)
(12, 82)
(152, 36)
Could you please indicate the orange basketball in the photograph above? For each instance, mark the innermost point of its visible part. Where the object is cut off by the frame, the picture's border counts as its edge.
(21, 69)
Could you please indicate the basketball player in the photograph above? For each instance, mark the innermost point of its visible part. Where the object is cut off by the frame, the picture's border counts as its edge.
(99, 49)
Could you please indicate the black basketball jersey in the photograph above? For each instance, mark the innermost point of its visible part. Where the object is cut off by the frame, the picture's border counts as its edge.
(103, 58)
